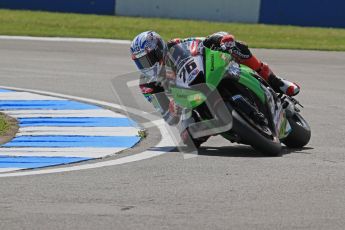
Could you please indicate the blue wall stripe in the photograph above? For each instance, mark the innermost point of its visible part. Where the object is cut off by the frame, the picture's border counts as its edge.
(44, 104)
(77, 122)
(73, 141)
(294, 12)
(35, 162)
(72, 6)
(303, 13)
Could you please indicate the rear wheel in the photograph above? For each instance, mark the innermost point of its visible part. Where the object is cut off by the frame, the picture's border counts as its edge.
(270, 146)
(300, 134)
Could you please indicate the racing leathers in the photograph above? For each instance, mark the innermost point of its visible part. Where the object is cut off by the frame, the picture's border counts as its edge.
(243, 55)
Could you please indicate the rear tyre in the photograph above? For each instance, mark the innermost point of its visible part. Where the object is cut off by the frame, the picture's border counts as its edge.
(300, 134)
(248, 134)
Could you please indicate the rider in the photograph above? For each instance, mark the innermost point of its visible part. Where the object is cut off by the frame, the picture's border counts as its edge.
(149, 52)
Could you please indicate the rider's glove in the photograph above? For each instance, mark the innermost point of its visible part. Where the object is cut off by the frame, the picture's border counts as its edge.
(233, 69)
(174, 109)
(227, 42)
(173, 42)
(173, 114)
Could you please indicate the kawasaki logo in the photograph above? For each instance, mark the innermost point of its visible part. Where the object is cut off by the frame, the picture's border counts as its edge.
(181, 95)
(212, 62)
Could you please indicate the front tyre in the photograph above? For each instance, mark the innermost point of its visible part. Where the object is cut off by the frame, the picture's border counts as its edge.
(300, 133)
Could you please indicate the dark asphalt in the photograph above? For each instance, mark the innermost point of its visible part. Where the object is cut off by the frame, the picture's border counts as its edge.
(226, 187)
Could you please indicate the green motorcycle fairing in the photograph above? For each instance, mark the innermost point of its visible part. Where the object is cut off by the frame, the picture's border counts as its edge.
(218, 63)
(216, 66)
(187, 98)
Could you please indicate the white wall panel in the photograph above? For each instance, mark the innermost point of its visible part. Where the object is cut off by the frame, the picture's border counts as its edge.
(215, 10)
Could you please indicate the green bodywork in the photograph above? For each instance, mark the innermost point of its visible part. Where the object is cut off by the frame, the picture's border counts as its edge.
(216, 64)
(187, 98)
(251, 82)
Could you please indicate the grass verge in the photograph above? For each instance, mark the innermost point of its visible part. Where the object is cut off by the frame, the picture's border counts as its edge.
(8, 128)
(77, 25)
(4, 125)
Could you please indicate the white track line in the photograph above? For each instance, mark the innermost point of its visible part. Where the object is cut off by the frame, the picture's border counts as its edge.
(60, 152)
(64, 113)
(2, 170)
(62, 39)
(137, 112)
(79, 131)
(165, 142)
(25, 96)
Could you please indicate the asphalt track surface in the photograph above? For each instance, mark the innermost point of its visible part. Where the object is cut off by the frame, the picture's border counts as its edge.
(226, 187)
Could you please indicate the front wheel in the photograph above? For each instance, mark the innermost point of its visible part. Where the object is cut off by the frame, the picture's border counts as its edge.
(300, 133)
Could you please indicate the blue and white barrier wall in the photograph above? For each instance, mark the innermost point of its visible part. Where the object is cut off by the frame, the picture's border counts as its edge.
(320, 13)
(293, 12)
(214, 10)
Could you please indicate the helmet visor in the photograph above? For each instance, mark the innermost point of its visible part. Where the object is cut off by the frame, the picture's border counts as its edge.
(148, 60)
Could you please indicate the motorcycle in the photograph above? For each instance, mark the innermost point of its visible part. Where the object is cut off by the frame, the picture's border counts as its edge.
(242, 106)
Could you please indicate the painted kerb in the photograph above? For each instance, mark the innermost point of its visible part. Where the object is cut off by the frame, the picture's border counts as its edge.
(55, 131)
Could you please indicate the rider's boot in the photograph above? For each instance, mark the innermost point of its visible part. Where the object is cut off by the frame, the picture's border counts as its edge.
(283, 86)
(280, 85)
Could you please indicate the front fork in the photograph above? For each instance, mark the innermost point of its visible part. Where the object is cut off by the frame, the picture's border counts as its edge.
(289, 105)
(280, 107)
